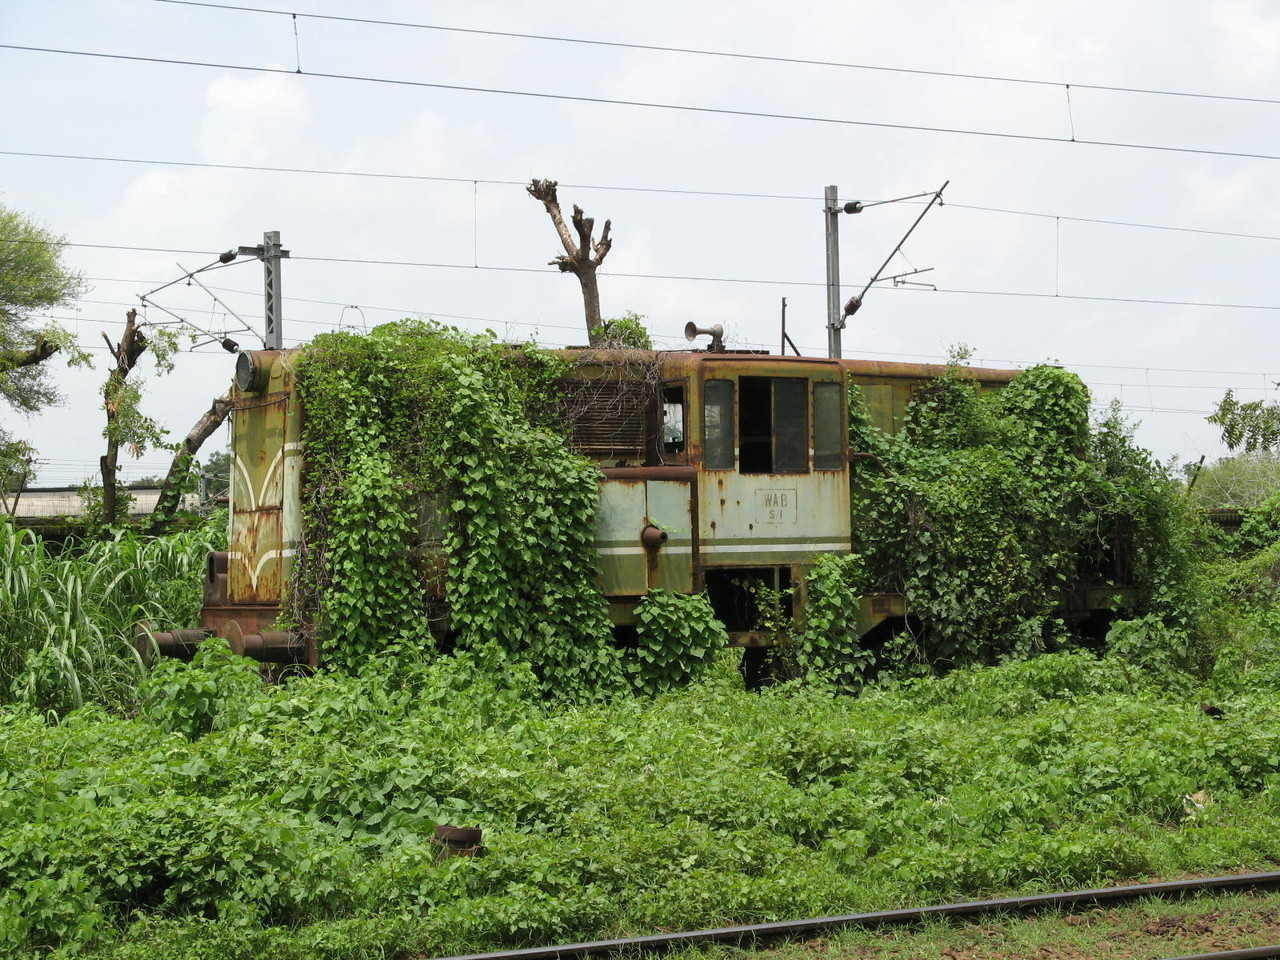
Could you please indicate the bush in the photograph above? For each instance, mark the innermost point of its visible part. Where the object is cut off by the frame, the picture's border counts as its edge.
(432, 434)
(1261, 526)
(194, 698)
(826, 644)
(678, 638)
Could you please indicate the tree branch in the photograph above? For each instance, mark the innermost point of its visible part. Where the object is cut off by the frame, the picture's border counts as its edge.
(604, 246)
(132, 343)
(17, 359)
(545, 191)
(171, 488)
(584, 226)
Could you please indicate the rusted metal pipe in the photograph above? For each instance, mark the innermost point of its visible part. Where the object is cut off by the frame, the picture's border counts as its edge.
(182, 644)
(268, 646)
(652, 537)
(458, 841)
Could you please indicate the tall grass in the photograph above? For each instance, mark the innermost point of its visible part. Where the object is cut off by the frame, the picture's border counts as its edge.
(67, 617)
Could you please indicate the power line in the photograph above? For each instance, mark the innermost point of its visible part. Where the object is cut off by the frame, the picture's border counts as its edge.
(681, 191)
(651, 104)
(110, 246)
(733, 55)
(1113, 222)
(771, 282)
(552, 343)
(387, 175)
(774, 281)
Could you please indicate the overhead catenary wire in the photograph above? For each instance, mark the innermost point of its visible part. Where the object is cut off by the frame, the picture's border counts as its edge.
(679, 191)
(649, 104)
(731, 54)
(758, 281)
(419, 177)
(421, 311)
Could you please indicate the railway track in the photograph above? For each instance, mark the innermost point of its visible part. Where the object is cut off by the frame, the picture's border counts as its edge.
(757, 933)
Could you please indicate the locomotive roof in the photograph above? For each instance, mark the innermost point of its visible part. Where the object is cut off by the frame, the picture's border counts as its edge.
(854, 365)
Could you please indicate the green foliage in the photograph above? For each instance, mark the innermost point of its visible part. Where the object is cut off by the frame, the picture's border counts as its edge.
(93, 512)
(626, 332)
(33, 278)
(217, 472)
(1150, 644)
(993, 512)
(1241, 482)
(678, 640)
(191, 698)
(826, 646)
(1261, 526)
(422, 441)
(1251, 426)
(67, 618)
(299, 824)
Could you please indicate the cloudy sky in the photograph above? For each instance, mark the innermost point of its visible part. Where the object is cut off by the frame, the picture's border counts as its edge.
(1166, 363)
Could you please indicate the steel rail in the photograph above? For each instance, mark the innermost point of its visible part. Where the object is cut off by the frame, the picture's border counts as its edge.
(751, 932)
(1248, 953)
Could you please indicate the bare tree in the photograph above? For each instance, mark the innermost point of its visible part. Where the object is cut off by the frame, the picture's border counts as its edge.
(183, 457)
(118, 404)
(581, 255)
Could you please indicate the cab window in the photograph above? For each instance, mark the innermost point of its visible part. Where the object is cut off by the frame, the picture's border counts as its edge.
(672, 427)
(717, 425)
(828, 441)
(773, 426)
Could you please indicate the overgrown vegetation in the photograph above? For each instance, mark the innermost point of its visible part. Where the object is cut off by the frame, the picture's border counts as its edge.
(677, 639)
(193, 811)
(1239, 482)
(418, 434)
(993, 513)
(626, 332)
(67, 616)
(293, 821)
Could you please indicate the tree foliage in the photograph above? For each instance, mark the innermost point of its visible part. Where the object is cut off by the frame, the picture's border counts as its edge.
(1250, 425)
(32, 278)
(1241, 482)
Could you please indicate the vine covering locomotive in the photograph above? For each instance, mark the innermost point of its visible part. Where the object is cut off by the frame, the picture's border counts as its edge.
(718, 469)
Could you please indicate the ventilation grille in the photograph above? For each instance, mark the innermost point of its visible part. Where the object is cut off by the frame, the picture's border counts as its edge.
(607, 417)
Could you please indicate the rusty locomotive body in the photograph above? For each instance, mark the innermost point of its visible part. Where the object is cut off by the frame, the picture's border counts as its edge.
(717, 470)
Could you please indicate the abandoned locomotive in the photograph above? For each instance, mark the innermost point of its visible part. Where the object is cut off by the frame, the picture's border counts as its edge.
(718, 469)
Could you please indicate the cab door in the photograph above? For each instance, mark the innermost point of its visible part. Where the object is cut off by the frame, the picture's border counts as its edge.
(774, 484)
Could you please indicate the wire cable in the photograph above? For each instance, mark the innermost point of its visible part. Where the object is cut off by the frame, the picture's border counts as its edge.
(733, 55)
(681, 191)
(651, 104)
(757, 281)
(387, 175)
